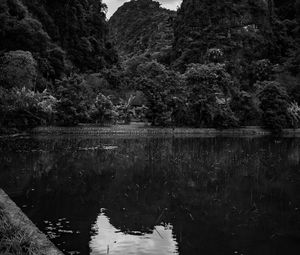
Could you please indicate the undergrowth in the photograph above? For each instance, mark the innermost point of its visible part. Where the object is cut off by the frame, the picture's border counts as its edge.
(15, 240)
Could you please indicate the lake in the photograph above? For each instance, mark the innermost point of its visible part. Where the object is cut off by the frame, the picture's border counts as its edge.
(158, 195)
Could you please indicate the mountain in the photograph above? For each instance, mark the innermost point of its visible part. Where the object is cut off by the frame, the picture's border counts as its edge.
(79, 27)
(240, 28)
(60, 34)
(142, 26)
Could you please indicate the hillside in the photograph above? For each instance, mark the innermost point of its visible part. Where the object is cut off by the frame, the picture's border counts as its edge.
(79, 27)
(210, 64)
(56, 33)
(237, 27)
(142, 26)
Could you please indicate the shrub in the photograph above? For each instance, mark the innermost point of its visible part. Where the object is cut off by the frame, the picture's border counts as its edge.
(24, 108)
(16, 238)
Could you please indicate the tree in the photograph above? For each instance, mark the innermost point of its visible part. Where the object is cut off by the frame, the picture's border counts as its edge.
(160, 86)
(261, 71)
(19, 30)
(18, 69)
(245, 107)
(75, 101)
(294, 113)
(79, 28)
(103, 109)
(209, 89)
(274, 105)
(24, 108)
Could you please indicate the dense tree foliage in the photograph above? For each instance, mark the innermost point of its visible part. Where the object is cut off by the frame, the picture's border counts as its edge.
(74, 101)
(240, 28)
(52, 29)
(18, 69)
(215, 64)
(209, 88)
(274, 105)
(42, 43)
(79, 27)
(21, 31)
(160, 87)
(246, 108)
(23, 108)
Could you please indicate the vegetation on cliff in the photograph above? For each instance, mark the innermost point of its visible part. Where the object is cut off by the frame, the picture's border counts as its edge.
(140, 27)
(213, 64)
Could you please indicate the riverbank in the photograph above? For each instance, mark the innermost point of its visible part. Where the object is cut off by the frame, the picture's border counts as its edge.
(143, 129)
(18, 235)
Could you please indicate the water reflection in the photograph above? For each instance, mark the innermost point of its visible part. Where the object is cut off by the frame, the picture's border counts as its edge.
(221, 195)
(110, 240)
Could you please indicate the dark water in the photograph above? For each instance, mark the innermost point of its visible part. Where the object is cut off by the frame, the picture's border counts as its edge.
(158, 195)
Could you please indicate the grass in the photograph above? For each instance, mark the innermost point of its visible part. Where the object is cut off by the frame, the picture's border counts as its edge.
(15, 240)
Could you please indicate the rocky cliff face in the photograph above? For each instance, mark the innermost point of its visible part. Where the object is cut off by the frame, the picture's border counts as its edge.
(234, 26)
(142, 26)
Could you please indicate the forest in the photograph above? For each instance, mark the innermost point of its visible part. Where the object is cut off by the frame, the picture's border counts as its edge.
(219, 64)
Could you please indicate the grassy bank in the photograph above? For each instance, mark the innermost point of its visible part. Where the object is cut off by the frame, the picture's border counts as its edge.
(14, 239)
(18, 235)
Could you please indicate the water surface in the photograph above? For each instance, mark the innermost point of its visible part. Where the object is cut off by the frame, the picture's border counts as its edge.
(158, 195)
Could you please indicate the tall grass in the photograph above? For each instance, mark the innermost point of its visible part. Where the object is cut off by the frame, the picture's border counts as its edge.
(15, 240)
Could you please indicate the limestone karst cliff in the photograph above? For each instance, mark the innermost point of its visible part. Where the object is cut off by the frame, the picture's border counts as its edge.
(142, 26)
(238, 27)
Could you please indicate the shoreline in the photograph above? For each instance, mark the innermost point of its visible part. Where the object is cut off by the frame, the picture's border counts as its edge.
(147, 130)
(142, 129)
(18, 220)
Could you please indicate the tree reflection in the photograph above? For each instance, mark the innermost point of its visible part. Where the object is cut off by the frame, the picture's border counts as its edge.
(110, 240)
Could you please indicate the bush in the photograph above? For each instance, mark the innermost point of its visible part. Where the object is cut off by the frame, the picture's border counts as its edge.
(24, 108)
(274, 105)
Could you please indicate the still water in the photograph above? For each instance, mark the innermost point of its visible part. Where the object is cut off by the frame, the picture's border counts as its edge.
(158, 195)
